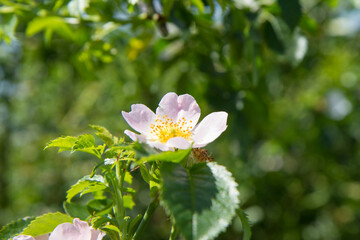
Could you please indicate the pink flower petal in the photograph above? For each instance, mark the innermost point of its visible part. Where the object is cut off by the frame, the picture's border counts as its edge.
(83, 228)
(96, 234)
(80, 230)
(23, 237)
(140, 118)
(42, 237)
(143, 139)
(178, 142)
(209, 129)
(177, 107)
(133, 135)
(65, 231)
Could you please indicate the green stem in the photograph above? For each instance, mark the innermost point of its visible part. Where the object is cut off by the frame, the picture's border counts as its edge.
(149, 212)
(120, 175)
(174, 232)
(118, 208)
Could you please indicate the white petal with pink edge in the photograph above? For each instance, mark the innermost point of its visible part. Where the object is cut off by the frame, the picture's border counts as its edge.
(209, 129)
(178, 142)
(178, 107)
(139, 118)
(143, 139)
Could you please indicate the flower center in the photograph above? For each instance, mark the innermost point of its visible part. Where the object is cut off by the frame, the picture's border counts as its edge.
(165, 128)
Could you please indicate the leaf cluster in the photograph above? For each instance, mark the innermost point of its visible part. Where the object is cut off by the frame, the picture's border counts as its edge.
(201, 198)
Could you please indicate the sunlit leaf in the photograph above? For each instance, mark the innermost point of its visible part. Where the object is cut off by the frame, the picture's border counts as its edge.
(103, 134)
(46, 223)
(128, 178)
(86, 143)
(128, 201)
(86, 185)
(63, 143)
(55, 23)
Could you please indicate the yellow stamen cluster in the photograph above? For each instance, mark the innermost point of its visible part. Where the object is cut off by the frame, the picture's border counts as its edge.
(165, 128)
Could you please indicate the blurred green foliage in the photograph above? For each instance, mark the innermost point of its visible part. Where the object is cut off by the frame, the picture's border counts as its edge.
(286, 71)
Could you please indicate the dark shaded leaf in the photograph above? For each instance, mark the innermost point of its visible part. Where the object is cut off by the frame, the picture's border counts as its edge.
(198, 198)
(290, 12)
(272, 39)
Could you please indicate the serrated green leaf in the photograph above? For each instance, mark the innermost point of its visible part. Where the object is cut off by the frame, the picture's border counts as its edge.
(86, 185)
(15, 227)
(46, 223)
(128, 201)
(201, 200)
(168, 156)
(245, 224)
(103, 134)
(63, 143)
(86, 143)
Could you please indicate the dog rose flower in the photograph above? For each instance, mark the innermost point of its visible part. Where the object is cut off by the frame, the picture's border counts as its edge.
(79, 230)
(174, 125)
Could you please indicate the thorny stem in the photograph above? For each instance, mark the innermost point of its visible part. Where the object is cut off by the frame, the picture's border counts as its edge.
(147, 216)
(118, 208)
(120, 175)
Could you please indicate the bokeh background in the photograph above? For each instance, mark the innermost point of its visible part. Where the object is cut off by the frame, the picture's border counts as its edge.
(286, 71)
